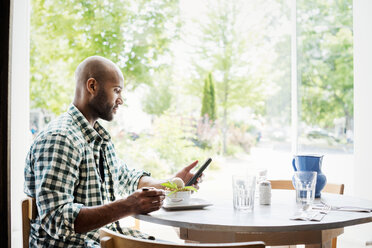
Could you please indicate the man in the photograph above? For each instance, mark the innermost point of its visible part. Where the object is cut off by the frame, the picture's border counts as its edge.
(74, 174)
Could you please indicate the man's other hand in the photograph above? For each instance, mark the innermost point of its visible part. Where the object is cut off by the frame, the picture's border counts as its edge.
(185, 174)
(146, 200)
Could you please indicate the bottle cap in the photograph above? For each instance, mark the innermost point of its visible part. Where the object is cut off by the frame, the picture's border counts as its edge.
(265, 183)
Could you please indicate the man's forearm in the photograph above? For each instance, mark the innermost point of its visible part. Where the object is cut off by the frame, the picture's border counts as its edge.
(147, 181)
(139, 202)
(91, 218)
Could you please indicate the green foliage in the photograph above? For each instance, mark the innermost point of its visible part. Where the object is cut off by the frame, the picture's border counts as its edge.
(157, 101)
(326, 64)
(159, 97)
(223, 49)
(233, 150)
(171, 143)
(207, 134)
(209, 101)
(240, 136)
(228, 47)
(278, 105)
(133, 33)
(138, 154)
(163, 152)
(249, 64)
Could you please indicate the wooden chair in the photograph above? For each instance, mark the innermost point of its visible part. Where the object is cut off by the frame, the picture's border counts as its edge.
(29, 212)
(111, 239)
(329, 188)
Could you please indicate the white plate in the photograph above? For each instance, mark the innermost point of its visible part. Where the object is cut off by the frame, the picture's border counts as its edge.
(194, 203)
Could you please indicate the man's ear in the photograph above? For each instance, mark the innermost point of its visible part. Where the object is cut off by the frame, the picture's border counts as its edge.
(91, 86)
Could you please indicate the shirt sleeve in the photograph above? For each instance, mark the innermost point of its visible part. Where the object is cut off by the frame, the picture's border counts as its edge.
(56, 169)
(128, 179)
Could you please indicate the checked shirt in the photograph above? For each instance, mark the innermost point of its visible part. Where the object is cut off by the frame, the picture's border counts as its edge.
(62, 174)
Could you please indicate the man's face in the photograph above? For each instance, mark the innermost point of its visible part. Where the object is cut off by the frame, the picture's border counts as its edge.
(108, 99)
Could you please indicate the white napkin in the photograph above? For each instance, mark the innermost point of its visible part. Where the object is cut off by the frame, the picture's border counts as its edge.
(309, 215)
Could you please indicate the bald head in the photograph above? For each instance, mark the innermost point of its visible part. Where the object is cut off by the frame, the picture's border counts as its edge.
(99, 68)
(99, 83)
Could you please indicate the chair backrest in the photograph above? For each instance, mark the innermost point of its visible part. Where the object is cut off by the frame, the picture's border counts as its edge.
(281, 184)
(111, 239)
(29, 212)
(334, 188)
(287, 184)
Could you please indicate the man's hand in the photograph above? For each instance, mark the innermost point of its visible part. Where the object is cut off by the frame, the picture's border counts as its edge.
(141, 201)
(186, 175)
(146, 200)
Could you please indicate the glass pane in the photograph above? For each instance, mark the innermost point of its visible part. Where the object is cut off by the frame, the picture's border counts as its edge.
(242, 49)
(206, 81)
(325, 73)
(202, 79)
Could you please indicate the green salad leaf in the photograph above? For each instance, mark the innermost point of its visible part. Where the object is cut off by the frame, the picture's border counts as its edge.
(173, 188)
(170, 185)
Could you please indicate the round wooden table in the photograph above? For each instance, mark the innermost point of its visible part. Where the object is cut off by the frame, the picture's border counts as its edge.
(268, 223)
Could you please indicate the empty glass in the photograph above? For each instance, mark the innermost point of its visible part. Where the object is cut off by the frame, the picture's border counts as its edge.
(243, 192)
(304, 183)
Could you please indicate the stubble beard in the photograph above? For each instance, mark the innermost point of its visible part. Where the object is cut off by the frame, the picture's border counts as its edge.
(102, 108)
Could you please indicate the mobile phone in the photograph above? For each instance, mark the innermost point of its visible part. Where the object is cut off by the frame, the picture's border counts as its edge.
(199, 172)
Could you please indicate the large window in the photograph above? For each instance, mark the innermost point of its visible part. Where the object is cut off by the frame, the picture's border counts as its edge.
(208, 79)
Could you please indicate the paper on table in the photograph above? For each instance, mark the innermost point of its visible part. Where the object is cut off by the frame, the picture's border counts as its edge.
(308, 216)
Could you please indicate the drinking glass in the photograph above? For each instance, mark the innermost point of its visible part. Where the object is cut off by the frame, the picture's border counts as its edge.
(243, 192)
(304, 183)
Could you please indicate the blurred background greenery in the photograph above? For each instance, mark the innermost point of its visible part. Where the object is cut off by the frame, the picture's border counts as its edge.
(213, 77)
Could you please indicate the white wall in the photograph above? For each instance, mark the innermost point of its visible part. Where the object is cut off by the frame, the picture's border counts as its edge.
(20, 134)
(363, 97)
(363, 107)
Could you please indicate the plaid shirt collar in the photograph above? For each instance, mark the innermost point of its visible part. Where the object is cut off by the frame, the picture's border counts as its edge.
(90, 133)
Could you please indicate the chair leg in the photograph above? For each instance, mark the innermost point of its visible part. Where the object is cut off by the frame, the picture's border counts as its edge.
(334, 242)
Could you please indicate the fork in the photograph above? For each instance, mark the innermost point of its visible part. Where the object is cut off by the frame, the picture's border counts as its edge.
(326, 208)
